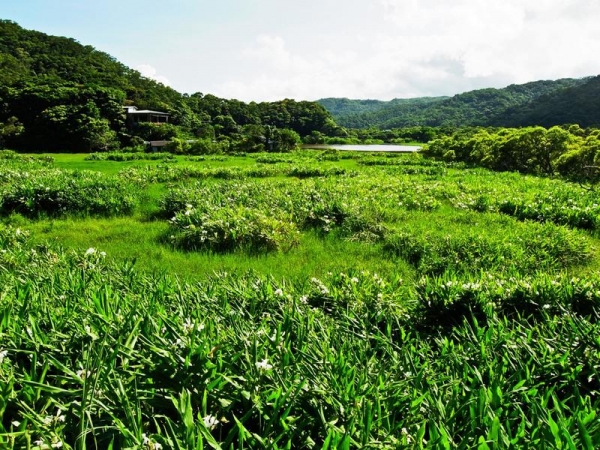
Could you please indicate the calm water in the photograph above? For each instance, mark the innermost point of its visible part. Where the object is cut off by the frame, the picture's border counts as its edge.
(368, 148)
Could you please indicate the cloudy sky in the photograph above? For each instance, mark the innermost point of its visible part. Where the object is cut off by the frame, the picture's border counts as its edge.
(274, 49)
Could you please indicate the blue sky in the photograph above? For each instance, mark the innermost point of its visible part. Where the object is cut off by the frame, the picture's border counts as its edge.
(273, 49)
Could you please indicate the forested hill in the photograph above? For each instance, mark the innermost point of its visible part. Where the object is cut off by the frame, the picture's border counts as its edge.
(30, 58)
(57, 94)
(539, 102)
(578, 104)
(343, 107)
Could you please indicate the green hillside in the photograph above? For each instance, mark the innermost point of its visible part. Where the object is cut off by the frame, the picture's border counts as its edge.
(481, 107)
(57, 94)
(579, 104)
(340, 107)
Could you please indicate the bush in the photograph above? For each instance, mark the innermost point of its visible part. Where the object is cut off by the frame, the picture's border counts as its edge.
(60, 192)
(156, 131)
(227, 229)
(205, 147)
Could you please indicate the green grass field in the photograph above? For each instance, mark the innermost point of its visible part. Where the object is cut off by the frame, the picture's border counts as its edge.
(305, 300)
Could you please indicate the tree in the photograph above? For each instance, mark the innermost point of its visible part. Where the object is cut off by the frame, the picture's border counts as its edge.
(287, 140)
(10, 130)
(79, 128)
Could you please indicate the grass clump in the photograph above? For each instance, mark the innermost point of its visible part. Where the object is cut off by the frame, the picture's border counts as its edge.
(55, 192)
(228, 229)
(130, 156)
(521, 247)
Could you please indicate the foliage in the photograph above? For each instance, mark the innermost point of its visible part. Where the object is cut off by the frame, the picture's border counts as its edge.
(226, 229)
(244, 360)
(544, 103)
(536, 150)
(482, 332)
(55, 192)
(129, 156)
(527, 248)
(204, 147)
(156, 131)
(57, 94)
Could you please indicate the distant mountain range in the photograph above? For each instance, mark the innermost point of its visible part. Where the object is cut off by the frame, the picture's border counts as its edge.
(543, 103)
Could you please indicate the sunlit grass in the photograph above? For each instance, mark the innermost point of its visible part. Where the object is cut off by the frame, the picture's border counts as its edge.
(143, 241)
(411, 311)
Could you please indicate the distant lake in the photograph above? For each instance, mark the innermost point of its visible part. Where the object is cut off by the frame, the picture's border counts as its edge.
(367, 148)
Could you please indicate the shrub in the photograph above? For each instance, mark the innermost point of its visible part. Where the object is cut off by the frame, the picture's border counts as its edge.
(227, 229)
(60, 192)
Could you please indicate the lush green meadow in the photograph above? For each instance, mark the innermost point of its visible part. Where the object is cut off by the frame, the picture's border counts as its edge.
(302, 300)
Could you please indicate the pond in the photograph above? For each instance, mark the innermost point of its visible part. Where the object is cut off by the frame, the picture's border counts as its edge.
(367, 148)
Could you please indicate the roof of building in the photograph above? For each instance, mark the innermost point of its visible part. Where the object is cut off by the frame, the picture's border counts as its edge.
(134, 110)
(147, 111)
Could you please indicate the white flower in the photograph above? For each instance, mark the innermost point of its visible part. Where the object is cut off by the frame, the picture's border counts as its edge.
(103, 254)
(83, 374)
(3, 354)
(90, 251)
(264, 365)
(147, 442)
(210, 421)
(188, 325)
(354, 280)
(15, 423)
(304, 299)
(279, 293)
(58, 444)
(48, 420)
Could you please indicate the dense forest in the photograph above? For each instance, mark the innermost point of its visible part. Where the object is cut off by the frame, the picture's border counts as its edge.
(577, 104)
(570, 151)
(544, 103)
(56, 94)
(361, 110)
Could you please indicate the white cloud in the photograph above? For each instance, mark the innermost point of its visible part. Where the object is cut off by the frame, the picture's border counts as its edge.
(421, 47)
(150, 72)
(521, 39)
(269, 49)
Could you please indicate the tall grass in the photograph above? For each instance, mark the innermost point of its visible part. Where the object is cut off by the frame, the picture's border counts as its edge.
(481, 331)
(97, 355)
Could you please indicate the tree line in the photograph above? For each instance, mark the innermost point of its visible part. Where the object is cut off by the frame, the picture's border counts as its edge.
(545, 103)
(570, 151)
(59, 95)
